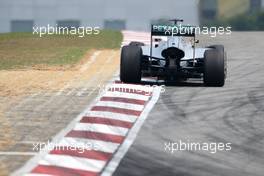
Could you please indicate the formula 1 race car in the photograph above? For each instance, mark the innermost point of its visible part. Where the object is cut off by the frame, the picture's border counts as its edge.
(173, 56)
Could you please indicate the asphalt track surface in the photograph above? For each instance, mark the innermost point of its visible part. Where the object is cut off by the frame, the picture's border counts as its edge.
(191, 112)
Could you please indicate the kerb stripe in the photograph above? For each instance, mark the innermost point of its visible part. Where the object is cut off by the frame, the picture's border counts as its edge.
(61, 171)
(96, 136)
(116, 110)
(106, 121)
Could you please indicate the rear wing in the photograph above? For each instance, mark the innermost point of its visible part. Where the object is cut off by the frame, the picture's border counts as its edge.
(172, 30)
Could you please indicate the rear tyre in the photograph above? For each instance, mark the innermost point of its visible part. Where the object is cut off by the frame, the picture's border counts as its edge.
(221, 49)
(215, 66)
(130, 66)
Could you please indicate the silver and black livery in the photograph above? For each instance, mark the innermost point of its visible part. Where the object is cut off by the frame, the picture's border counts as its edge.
(173, 56)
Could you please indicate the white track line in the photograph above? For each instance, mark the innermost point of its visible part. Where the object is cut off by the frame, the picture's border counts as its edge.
(60, 92)
(91, 60)
(94, 79)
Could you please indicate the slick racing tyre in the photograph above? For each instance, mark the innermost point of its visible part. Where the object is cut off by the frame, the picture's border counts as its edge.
(215, 66)
(130, 66)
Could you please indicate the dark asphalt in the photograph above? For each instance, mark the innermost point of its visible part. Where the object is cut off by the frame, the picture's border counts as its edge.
(232, 114)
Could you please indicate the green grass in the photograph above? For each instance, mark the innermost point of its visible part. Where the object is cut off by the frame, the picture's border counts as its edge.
(23, 50)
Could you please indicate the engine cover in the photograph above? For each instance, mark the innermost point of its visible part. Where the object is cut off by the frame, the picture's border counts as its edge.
(173, 52)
